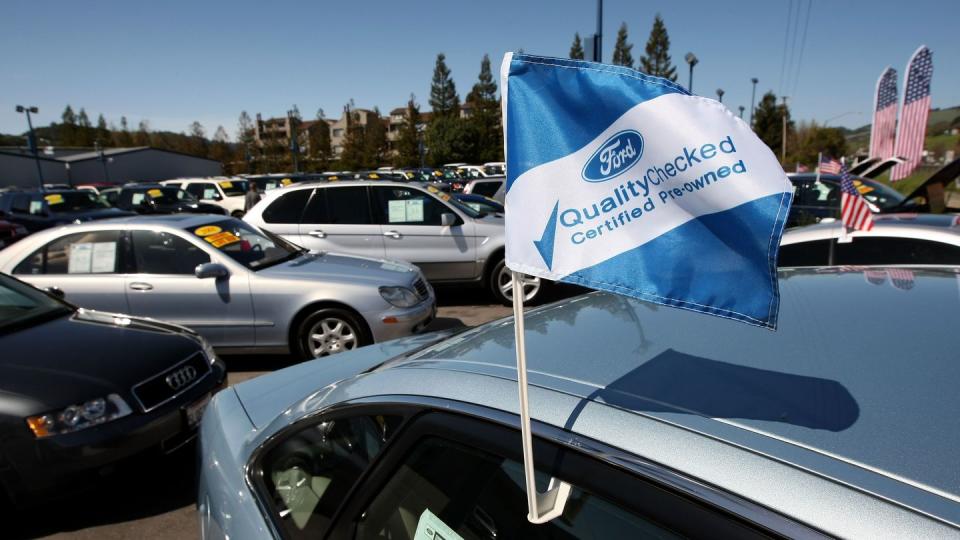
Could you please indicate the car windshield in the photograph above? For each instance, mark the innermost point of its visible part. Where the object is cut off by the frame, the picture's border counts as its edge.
(21, 304)
(73, 201)
(254, 248)
(493, 170)
(882, 196)
(233, 188)
(169, 195)
(459, 205)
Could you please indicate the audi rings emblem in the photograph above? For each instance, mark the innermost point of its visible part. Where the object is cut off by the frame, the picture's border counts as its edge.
(181, 377)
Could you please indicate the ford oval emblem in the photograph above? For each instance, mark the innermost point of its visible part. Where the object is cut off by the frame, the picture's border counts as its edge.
(614, 157)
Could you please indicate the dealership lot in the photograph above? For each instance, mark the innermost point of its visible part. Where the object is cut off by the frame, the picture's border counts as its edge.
(155, 497)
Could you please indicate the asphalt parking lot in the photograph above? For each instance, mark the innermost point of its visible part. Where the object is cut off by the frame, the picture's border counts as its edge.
(154, 497)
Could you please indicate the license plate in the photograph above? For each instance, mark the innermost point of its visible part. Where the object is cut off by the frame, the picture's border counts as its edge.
(194, 412)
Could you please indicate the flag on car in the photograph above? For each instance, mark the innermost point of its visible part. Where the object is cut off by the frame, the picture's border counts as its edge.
(624, 182)
(884, 129)
(916, 109)
(854, 210)
(829, 165)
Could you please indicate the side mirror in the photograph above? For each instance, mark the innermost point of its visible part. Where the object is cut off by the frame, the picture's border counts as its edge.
(55, 291)
(211, 270)
(447, 220)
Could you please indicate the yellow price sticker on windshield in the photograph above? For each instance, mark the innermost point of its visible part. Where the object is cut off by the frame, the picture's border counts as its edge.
(207, 230)
(432, 189)
(286, 181)
(444, 197)
(222, 239)
(374, 176)
(226, 185)
(155, 193)
(332, 178)
(54, 198)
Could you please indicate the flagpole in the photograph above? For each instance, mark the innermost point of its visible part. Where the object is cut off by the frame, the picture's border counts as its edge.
(546, 506)
(843, 226)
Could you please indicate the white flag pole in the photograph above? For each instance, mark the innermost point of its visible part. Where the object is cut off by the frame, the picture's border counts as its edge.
(843, 226)
(542, 506)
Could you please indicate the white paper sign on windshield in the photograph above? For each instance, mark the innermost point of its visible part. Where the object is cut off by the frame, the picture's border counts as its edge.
(414, 210)
(430, 527)
(104, 257)
(396, 211)
(80, 257)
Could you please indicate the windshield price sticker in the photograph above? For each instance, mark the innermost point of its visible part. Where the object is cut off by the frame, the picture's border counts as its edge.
(207, 230)
(222, 239)
(55, 198)
(226, 185)
(155, 193)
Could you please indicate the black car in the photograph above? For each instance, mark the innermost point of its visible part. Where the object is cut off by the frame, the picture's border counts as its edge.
(83, 390)
(38, 210)
(157, 199)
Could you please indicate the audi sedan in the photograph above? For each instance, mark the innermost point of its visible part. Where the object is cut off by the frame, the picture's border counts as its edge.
(82, 390)
(662, 423)
(245, 290)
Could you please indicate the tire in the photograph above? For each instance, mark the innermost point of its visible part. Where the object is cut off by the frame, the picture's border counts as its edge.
(329, 331)
(238, 214)
(500, 283)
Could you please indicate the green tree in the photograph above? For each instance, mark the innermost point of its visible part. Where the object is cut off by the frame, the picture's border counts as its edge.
(142, 136)
(198, 140)
(220, 148)
(121, 137)
(319, 137)
(656, 61)
(812, 139)
(68, 127)
(245, 141)
(351, 158)
(85, 133)
(768, 122)
(621, 50)
(374, 140)
(576, 50)
(448, 139)
(103, 132)
(443, 92)
(485, 118)
(408, 145)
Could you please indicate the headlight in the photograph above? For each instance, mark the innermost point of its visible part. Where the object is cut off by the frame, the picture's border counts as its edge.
(209, 352)
(399, 296)
(80, 416)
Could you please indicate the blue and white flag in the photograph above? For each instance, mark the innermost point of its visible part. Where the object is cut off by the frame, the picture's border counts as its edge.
(624, 182)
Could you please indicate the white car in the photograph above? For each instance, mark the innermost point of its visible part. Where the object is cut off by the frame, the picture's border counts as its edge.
(413, 222)
(227, 193)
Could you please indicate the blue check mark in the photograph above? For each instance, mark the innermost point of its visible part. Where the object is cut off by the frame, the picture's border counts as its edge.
(545, 244)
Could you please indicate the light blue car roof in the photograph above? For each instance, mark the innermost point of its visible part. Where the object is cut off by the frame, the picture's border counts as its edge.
(863, 368)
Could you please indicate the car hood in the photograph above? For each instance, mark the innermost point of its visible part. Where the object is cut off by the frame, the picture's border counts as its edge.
(87, 354)
(265, 397)
(335, 266)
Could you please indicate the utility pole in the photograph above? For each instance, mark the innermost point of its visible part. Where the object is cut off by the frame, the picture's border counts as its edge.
(32, 140)
(103, 160)
(783, 150)
(598, 37)
(294, 140)
(753, 98)
(720, 93)
(692, 60)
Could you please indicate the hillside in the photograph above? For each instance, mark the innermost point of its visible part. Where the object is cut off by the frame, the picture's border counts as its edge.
(939, 122)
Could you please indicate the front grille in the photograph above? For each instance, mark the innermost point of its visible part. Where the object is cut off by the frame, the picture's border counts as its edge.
(420, 287)
(172, 382)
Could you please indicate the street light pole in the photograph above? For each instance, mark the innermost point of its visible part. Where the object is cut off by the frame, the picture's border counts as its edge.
(32, 140)
(720, 94)
(742, 108)
(103, 160)
(753, 98)
(783, 136)
(294, 142)
(598, 37)
(692, 60)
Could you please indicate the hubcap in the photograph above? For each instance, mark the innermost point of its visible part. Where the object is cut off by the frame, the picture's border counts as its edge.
(530, 284)
(330, 336)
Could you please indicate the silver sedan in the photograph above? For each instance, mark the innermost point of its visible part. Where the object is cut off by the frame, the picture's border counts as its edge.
(244, 289)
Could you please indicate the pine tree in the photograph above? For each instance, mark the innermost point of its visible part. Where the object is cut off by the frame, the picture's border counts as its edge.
(351, 158)
(374, 140)
(484, 123)
(443, 92)
(621, 51)
(656, 61)
(142, 136)
(245, 141)
(103, 132)
(576, 50)
(220, 149)
(768, 122)
(319, 137)
(68, 127)
(121, 137)
(198, 141)
(408, 145)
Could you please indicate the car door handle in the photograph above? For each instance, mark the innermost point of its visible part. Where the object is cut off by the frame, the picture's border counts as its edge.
(392, 234)
(141, 286)
(317, 234)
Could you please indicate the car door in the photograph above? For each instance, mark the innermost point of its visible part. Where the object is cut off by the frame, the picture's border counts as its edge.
(87, 266)
(282, 215)
(162, 285)
(410, 222)
(338, 218)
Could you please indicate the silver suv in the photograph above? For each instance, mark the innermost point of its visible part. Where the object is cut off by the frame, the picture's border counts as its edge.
(448, 240)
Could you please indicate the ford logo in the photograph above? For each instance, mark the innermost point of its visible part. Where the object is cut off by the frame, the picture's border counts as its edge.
(181, 377)
(614, 157)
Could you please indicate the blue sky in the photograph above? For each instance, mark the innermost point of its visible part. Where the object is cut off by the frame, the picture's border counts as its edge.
(174, 62)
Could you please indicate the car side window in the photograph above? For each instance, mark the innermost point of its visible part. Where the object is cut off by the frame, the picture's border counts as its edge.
(287, 208)
(821, 194)
(487, 189)
(158, 252)
(94, 252)
(891, 250)
(308, 475)
(406, 206)
(339, 206)
(813, 253)
(20, 204)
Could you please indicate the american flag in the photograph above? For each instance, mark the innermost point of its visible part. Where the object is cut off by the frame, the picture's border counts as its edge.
(884, 129)
(829, 165)
(916, 109)
(876, 277)
(854, 210)
(901, 279)
(802, 168)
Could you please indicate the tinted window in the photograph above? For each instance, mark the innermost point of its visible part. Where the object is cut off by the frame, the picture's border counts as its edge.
(308, 475)
(165, 253)
(204, 191)
(21, 203)
(20, 303)
(487, 189)
(344, 206)
(815, 253)
(72, 201)
(449, 487)
(406, 206)
(288, 207)
(888, 250)
(821, 194)
(95, 252)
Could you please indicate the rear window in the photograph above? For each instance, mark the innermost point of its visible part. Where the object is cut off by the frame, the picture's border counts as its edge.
(287, 208)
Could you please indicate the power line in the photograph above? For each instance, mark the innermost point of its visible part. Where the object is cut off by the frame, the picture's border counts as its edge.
(786, 41)
(803, 44)
(793, 47)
